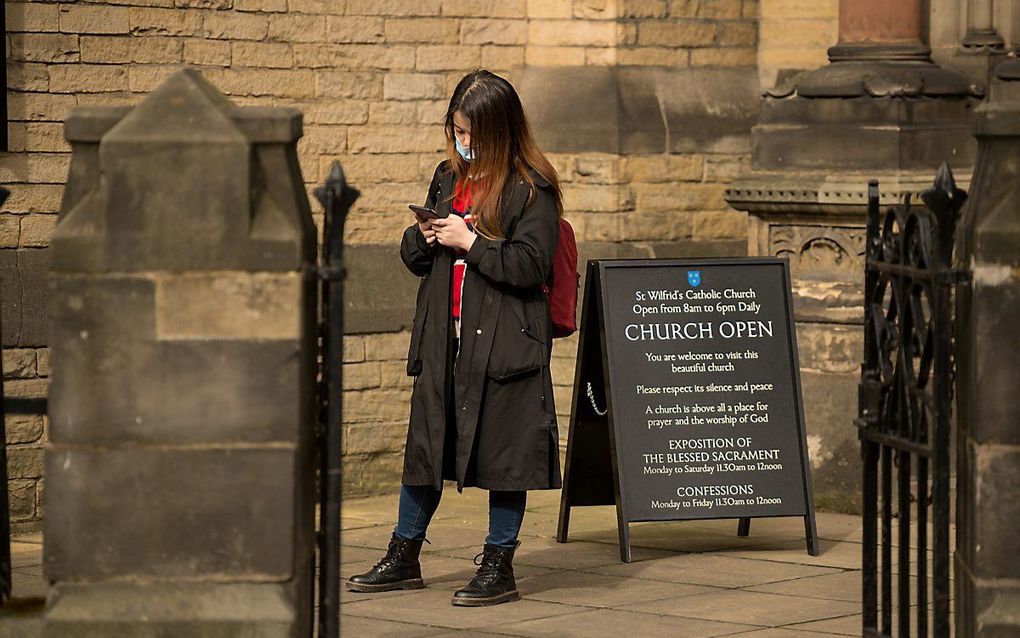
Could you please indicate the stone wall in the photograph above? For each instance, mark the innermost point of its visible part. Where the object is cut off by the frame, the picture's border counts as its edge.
(644, 165)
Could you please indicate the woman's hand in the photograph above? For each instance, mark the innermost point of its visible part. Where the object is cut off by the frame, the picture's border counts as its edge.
(452, 231)
(427, 231)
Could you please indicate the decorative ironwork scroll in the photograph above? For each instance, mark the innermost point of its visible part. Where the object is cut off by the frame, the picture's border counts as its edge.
(905, 402)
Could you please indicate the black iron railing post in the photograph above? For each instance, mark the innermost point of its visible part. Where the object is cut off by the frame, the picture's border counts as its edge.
(5, 510)
(336, 198)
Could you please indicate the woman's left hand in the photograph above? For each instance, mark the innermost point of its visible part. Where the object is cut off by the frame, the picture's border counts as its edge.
(452, 231)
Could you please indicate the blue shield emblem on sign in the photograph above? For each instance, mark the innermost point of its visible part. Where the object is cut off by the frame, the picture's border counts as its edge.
(694, 277)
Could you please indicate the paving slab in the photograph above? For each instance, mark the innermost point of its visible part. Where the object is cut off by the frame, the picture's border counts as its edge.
(752, 608)
(713, 570)
(596, 590)
(784, 632)
(849, 625)
(606, 622)
(546, 552)
(431, 607)
(356, 626)
(845, 585)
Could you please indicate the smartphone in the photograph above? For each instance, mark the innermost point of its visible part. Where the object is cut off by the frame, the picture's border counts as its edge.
(423, 213)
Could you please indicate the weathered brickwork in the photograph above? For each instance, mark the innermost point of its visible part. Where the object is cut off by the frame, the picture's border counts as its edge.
(26, 371)
(372, 78)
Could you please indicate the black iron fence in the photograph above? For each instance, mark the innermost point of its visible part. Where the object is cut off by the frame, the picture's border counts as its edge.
(336, 198)
(905, 402)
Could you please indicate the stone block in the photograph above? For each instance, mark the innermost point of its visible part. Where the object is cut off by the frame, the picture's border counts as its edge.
(27, 77)
(24, 462)
(501, 58)
(39, 107)
(393, 7)
(720, 224)
(276, 82)
(372, 474)
(21, 499)
(34, 198)
(413, 86)
(485, 8)
(642, 226)
(353, 56)
(572, 32)
(494, 31)
(43, 361)
(391, 139)
(645, 9)
(94, 19)
(88, 78)
(44, 47)
(676, 33)
(268, 6)
(597, 9)
(297, 28)
(171, 22)
(355, 29)
(400, 113)
(361, 376)
(31, 16)
(830, 407)
(375, 438)
(10, 230)
(262, 54)
(19, 363)
(447, 57)
(546, 56)
(653, 56)
(23, 428)
(422, 30)
(217, 501)
(361, 406)
(663, 168)
(719, 9)
(36, 230)
(386, 346)
(550, 8)
(833, 348)
(235, 26)
(348, 85)
(46, 137)
(23, 291)
(207, 52)
(729, 57)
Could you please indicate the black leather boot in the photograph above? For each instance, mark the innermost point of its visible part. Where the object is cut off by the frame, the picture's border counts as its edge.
(494, 583)
(398, 569)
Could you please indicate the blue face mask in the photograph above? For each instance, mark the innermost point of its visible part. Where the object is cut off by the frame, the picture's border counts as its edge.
(467, 153)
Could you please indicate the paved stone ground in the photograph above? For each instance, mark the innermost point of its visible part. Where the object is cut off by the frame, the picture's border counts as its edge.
(688, 579)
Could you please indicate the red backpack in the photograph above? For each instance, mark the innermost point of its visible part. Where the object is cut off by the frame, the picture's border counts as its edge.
(565, 282)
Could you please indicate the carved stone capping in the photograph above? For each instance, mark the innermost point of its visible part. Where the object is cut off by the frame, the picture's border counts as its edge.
(234, 217)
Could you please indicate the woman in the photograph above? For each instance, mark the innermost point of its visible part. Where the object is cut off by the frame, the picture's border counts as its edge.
(482, 410)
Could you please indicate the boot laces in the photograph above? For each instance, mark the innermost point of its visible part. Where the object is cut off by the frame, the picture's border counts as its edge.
(488, 569)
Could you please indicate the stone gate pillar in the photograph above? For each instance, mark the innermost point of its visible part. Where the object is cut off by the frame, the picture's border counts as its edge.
(180, 464)
(880, 109)
(987, 344)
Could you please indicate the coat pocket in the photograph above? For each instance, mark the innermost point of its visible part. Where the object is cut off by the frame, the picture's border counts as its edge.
(417, 328)
(517, 348)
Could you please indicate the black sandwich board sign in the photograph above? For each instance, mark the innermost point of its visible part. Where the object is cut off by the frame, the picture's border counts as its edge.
(687, 400)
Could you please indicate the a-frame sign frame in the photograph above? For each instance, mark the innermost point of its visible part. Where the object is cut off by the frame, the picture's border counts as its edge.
(592, 474)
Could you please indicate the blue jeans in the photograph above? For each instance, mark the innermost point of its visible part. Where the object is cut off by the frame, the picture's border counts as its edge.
(419, 502)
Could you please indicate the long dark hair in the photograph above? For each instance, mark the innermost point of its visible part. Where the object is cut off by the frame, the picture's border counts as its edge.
(502, 144)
